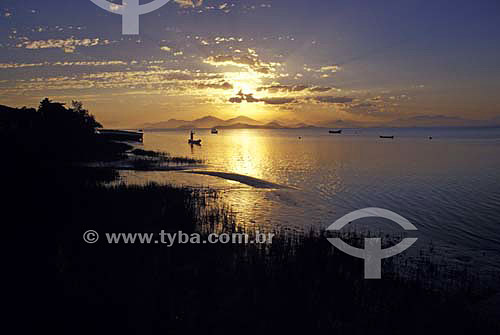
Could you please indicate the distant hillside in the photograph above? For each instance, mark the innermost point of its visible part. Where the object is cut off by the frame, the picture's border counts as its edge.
(204, 122)
(242, 122)
(274, 125)
(436, 121)
(242, 119)
(342, 124)
(415, 121)
(303, 125)
(238, 126)
(270, 125)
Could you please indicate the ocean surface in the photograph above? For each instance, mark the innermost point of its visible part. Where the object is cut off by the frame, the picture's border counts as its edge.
(447, 186)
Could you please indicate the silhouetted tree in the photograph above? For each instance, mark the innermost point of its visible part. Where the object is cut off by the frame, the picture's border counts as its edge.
(74, 123)
(88, 119)
(55, 132)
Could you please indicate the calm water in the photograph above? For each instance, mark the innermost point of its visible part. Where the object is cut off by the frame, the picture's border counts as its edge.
(448, 186)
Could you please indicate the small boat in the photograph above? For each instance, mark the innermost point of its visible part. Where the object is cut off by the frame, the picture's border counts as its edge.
(120, 135)
(192, 140)
(382, 136)
(214, 131)
(196, 142)
(335, 131)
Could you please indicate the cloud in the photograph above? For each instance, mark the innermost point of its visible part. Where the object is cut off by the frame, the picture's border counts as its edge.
(281, 100)
(270, 101)
(250, 98)
(251, 62)
(222, 85)
(68, 45)
(189, 3)
(282, 88)
(178, 81)
(237, 100)
(19, 65)
(81, 63)
(364, 105)
(278, 100)
(330, 68)
(323, 71)
(221, 39)
(321, 89)
(333, 100)
(293, 88)
(364, 108)
(153, 76)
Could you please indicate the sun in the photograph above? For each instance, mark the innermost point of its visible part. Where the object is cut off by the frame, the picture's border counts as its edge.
(247, 82)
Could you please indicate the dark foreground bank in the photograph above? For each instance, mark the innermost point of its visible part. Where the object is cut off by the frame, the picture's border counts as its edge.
(297, 283)
(57, 283)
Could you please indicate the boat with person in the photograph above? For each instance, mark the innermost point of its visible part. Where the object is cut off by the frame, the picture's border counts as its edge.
(192, 140)
(214, 131)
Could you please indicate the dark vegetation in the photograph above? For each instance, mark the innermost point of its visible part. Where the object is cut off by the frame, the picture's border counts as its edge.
(56, 134)
(161, 157)
(56, 283)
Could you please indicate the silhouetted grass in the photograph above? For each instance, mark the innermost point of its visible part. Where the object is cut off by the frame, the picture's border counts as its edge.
(147, 153)
(299, 283)
(154, 158)
(183, 160)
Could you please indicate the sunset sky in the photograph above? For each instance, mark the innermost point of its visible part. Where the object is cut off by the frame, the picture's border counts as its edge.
(294, 61)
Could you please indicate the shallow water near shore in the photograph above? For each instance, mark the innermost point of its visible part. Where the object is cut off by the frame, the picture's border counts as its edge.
(447, 186)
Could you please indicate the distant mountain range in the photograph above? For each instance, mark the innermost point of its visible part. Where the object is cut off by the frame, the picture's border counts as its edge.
(439, 120)
(242, 122)
(214, 122)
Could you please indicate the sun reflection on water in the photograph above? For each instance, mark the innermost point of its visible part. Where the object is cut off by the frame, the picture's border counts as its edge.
(248, 154)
